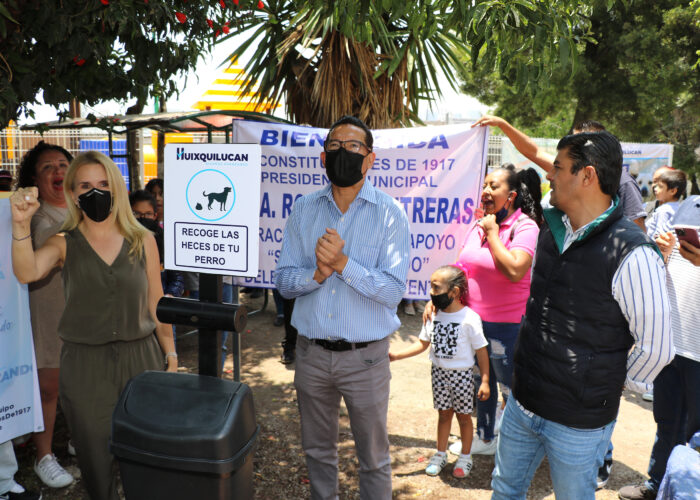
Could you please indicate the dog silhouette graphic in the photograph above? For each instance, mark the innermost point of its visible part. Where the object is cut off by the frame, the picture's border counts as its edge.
(220, 197)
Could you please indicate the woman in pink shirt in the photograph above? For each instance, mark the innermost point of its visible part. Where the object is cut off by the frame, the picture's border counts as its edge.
(497, 256)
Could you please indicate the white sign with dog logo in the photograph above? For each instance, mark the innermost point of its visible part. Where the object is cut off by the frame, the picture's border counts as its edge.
(211, 202)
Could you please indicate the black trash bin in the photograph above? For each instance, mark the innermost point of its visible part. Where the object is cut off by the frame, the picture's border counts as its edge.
(178, 435)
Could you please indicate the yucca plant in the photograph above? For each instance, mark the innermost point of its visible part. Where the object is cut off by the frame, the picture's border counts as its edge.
(379, 59)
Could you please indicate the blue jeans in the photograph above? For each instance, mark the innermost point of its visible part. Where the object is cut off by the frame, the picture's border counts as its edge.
(676, 412)
(608, 451)
(574, 455)
(501, 337)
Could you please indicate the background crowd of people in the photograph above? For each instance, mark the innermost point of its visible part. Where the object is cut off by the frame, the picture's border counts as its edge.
(557, 308)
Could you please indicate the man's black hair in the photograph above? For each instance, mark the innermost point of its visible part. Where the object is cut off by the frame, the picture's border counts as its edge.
(352, 120)
(674, 178)
(587, 126)
(143, 195)
(27, 167)
(602, 151)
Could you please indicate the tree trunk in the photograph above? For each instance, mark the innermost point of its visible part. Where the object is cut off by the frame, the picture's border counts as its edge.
(160, 152)
(74, 111)
(133, 146)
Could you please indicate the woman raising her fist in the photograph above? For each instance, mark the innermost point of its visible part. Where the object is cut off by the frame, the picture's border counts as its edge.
(111, 280)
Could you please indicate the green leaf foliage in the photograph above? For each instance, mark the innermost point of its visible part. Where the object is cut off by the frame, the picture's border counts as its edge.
(634, 71)
(85, 50)
(378, 59)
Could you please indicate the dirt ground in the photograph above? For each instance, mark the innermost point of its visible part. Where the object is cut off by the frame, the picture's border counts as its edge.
(279, 468)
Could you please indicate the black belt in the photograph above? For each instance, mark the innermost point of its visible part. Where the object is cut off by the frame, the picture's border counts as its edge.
(340, 345)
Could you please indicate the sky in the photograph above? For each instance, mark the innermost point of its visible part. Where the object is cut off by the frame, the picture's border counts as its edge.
(460, 107)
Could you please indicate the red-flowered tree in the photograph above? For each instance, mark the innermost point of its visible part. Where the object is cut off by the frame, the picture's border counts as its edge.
(97, 50)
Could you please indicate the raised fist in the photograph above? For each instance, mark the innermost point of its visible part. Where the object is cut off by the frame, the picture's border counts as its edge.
(24, 203)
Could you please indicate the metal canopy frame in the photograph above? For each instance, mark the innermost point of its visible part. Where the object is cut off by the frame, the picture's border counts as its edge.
(169, 122)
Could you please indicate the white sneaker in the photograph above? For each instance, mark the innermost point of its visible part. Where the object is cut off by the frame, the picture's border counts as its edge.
(71, 448)
(463, 467)
(436, 464)
(481, 448)
(51, 473)
(409, 309)
(17, 492)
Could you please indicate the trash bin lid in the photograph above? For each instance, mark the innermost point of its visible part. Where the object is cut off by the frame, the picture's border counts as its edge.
(183, 418)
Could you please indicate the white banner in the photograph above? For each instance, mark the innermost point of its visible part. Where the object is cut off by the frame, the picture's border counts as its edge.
(640, 160)
(434, 172)
(20, 404)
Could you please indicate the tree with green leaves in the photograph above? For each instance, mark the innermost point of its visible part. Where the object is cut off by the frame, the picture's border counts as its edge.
(98, 50)
(636, 73)
(379, 59)
(376, 59)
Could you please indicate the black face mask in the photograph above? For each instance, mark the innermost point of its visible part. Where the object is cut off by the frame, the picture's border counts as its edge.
(96, 203)
(441, 301)
(150, 224)
(344, 168)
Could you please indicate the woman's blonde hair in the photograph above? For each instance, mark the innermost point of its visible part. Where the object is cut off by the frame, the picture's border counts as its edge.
(127, 224)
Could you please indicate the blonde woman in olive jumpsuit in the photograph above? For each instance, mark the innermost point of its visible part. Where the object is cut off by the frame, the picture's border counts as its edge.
(111, 279)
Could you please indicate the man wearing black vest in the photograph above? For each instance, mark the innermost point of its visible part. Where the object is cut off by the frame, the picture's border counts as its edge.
(597, 319)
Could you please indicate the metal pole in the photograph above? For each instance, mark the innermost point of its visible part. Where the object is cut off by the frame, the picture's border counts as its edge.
(236, 342)
(209, 340)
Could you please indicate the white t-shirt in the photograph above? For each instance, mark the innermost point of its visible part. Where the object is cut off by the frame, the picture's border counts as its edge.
(454, 338)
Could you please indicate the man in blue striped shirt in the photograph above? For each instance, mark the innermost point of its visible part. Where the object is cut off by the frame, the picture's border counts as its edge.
(344, 259)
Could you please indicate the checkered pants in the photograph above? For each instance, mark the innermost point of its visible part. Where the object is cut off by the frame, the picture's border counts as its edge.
(453, 389)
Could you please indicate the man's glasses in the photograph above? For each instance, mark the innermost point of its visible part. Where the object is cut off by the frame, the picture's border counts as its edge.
(351, 146)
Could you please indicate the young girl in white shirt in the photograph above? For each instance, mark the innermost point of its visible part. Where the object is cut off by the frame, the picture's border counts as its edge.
(454, 335)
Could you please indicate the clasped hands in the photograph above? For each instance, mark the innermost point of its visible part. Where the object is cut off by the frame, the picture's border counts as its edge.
(329, 255)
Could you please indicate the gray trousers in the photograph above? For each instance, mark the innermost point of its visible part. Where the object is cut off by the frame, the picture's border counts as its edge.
(362, 378)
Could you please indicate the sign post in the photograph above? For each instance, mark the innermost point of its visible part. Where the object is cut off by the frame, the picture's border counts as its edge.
(212, 204)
